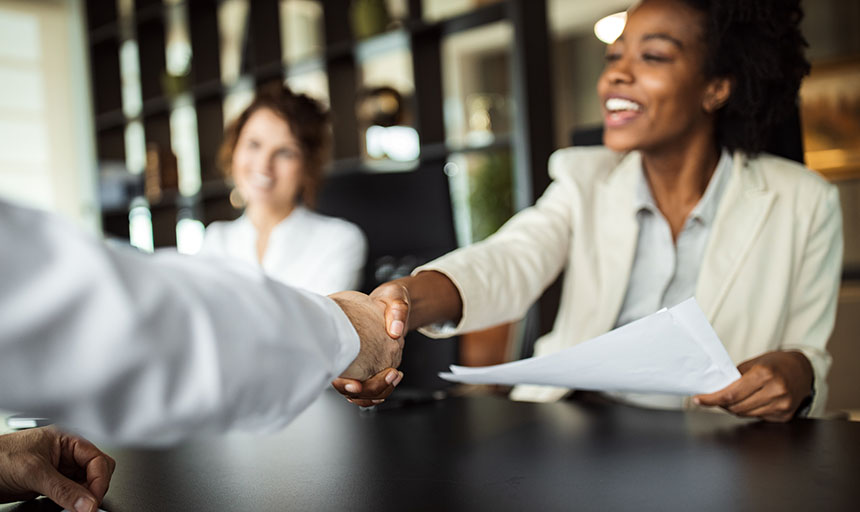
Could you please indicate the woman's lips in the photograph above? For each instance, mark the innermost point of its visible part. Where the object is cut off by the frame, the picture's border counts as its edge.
(619, 111)
(620, 117)
(261, 181)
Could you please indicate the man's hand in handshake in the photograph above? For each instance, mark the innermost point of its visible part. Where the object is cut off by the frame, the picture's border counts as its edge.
(379, 354)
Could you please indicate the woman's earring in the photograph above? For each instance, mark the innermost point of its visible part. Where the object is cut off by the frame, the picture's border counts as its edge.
(236, 199)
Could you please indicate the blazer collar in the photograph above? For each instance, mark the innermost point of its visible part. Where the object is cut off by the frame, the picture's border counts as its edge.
(616, 235)
(740, 218)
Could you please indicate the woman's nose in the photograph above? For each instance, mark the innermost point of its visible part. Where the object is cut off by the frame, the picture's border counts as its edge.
(619, 71)
(262, 161)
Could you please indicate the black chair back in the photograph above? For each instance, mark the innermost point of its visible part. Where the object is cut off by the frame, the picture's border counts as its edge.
(408, 220)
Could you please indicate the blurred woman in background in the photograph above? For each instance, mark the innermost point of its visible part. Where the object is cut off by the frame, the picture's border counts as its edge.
(275, 152)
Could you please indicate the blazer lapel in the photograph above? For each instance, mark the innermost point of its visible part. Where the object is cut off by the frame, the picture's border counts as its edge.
(740, 217)
(616, 236)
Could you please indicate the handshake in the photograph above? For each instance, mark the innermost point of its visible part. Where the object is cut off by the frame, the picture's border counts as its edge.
(380, 319)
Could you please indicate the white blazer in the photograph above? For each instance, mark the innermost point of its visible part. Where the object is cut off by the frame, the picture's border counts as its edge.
(769, 279)
(144, 349)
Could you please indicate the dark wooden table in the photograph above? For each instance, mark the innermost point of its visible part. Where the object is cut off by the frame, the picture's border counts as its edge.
(487, 453)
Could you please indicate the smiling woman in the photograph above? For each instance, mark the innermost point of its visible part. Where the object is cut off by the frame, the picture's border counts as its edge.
(680, 202)
(653, 88)
(275, 152)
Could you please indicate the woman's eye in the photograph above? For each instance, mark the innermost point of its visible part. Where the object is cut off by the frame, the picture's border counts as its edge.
(653, 57)
(286, 153)
(612, 57)
(252, 144)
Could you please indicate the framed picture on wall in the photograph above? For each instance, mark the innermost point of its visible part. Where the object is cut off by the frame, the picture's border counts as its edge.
(830, 113)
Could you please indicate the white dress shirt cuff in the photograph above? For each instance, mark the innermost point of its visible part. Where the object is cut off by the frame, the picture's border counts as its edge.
(346, 334)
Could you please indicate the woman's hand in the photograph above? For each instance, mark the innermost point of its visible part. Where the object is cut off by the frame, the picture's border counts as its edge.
(395, 299)
(370, 392)
(409, 302)
(44, 461)
(771, 387)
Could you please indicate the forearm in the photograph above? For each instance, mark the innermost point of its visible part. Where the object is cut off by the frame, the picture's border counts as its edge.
(433, 299)
(151, 349)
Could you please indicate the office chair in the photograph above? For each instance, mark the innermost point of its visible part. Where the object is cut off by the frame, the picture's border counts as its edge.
(408, 221)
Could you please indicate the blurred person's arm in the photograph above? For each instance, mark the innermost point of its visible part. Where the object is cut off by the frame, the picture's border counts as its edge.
(147, 349)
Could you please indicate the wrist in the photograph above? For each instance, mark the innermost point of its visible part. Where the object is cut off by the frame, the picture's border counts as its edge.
(805, 406)
(805, 366)
(807, 382)
(433, 299)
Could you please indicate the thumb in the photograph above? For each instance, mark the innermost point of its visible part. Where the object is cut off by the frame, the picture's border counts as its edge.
(396, 315)
(66, 493)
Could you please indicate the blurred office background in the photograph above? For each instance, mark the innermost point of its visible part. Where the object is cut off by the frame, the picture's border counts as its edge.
(445, 112)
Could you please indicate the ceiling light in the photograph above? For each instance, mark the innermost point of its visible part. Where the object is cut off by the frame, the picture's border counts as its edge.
(609, 28)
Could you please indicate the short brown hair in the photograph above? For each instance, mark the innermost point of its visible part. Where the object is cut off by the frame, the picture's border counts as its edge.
(308, 121)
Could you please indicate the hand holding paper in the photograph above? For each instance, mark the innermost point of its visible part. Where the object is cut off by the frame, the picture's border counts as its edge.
(673, 351)
(772, 386)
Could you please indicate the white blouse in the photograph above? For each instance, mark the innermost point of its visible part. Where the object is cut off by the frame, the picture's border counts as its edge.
(306, 250)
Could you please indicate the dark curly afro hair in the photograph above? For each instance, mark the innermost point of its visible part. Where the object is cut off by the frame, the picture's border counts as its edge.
(759, 45)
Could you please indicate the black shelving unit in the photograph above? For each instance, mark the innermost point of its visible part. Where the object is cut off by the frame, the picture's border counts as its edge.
(531, 139)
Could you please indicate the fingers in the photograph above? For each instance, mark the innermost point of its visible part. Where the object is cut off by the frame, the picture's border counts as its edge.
(735, 392)
(372, 391)
(396, 315)
(346, 386)
(757, 400)
(382, 384)
(772, 403)
(364, 403)
(774, 411)
(762, 392)
(64, 492)
(99, 472)
(395, 297)
(97, 467)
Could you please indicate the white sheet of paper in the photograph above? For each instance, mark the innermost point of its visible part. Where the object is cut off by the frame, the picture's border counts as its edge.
(673, 351)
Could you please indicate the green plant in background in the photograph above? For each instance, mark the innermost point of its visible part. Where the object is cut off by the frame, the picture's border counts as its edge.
(490, 193)
(369, 17)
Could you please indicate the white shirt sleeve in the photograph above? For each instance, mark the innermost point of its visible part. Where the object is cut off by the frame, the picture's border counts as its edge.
(148, 349)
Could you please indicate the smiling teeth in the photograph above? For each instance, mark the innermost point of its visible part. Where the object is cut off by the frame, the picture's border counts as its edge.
(261, 180)
(616, 104)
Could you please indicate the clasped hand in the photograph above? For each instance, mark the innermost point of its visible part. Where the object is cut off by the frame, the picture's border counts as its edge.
(45, 461)
(372, 376)
(381, 319)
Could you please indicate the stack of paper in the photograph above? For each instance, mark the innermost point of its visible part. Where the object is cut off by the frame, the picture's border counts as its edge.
(673, 351)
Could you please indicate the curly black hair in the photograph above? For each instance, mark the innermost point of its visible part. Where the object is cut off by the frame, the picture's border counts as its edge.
(759, 45)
